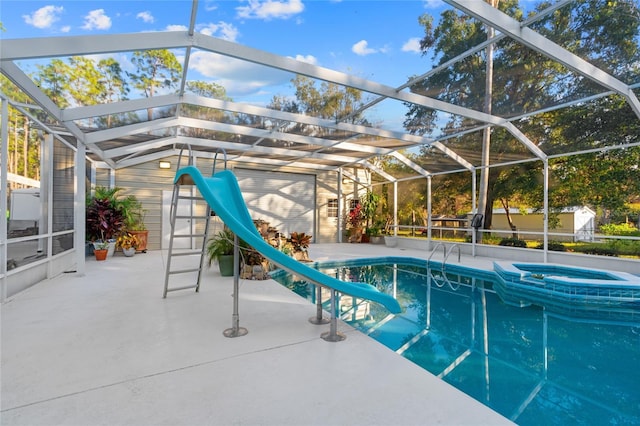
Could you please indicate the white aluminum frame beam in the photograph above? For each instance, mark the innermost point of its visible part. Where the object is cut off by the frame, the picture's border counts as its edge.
(238, 159)
(66, 46)
(407, 162)
(168, 100)
(235, 146)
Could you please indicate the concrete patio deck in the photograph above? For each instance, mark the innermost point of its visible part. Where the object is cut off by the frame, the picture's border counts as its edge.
(106, 349)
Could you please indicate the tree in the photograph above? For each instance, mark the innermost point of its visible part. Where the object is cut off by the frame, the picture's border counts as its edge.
(329, 101)
(156, 70)
(525, 80)
(53, 80)
(114, 85)
(208, 90)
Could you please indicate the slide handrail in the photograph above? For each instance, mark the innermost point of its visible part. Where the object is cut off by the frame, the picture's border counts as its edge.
(223, 194)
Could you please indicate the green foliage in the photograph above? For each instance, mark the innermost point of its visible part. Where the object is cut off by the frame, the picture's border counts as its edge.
(552, 246)
(597, 249)
(128, 206)
(513, 242)
(103, 220)
(625, 247)
(220, 244)
(370, 207)
(375, 230)
(620, 229)
(327, 101)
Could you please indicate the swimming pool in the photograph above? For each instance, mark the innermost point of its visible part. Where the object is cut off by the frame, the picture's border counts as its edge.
(530, 365)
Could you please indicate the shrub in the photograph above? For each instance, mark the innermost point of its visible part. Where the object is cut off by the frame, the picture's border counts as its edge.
(620, 229)
(624, 247)
(513, 242)
(553, 246)
(300, 241)
(598, 249)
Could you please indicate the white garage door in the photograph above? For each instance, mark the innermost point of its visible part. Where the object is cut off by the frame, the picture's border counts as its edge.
(285, 200)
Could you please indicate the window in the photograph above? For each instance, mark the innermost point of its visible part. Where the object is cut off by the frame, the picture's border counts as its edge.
(353, 204)
(332, 207)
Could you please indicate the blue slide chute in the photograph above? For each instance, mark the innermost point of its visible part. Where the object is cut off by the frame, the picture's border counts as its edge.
(223, 194)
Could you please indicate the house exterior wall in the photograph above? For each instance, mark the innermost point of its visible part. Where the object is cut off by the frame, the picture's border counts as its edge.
(326, 189)
(147, 181)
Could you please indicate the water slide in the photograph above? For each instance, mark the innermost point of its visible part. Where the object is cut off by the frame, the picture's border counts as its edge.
(223, 194)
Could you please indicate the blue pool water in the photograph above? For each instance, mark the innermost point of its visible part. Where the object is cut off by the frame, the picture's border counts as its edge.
(532, 366)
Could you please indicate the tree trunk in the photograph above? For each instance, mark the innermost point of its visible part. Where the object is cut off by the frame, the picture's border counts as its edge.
(488, 211)
(483, 202)
(505, 205)
(25, 145)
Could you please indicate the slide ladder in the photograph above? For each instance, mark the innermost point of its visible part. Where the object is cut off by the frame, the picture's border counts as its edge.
(188, 260)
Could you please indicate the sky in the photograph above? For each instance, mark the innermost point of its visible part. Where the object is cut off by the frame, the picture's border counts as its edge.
(376, 40)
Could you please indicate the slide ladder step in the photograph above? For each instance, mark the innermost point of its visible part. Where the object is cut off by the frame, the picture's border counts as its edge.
(181, 199)
(188, 253)
(184, 271)
(186, 287)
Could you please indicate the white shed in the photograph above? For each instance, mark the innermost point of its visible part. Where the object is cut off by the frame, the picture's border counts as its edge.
(578, 221)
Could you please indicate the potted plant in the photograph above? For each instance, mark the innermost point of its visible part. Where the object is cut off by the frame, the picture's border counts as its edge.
(103, 221)
(100, 250)
(220, 249)
(355, 220)
(137, 228)
(254, 265)
(375, 234)
(300, 244)
(128, 243)
(369, 208)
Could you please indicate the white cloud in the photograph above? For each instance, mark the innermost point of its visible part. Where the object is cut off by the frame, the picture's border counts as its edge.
(146, 16)
(65, 29)
(176, 28)
(221, 30)
(210, 6)
(309, 59)
(97, 20)
(362, 48)
(412, 45)
(270, 9)
(433, 4)
(236, 76)
(44, 17)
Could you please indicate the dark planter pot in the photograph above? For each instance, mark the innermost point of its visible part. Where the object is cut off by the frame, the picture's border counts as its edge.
(225, 263)
(376, 240)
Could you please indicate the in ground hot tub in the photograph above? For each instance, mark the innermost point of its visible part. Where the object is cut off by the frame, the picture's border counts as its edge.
(569, 290)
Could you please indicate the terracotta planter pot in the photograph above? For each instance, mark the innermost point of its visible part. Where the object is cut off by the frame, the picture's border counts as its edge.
(142, 237)
(101, 254)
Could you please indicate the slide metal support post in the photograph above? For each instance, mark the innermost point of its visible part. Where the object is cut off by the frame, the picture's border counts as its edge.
(333, 335)
(318, 319)
(235, 330)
